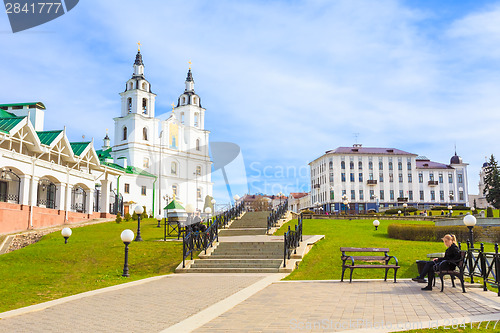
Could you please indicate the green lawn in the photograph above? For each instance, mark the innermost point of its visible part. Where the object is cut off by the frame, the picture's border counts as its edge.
(92, 259)
(323, 261)
(485, 326)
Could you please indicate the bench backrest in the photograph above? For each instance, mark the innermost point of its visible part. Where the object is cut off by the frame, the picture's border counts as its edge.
(364, 249)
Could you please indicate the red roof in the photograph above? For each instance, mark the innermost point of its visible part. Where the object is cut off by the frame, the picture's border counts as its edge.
(298, 195)
(368, 150)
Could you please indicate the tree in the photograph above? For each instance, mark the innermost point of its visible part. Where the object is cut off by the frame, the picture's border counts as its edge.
(492, 183)
(260, 204)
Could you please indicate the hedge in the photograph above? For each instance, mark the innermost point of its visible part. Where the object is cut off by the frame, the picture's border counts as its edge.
(445, 208)
(395, 210)
(419, 232)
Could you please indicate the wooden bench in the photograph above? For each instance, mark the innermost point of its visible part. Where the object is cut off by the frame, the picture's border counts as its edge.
(367, 258)
(441, 272)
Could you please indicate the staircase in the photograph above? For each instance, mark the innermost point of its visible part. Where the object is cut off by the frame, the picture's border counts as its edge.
(261, 255)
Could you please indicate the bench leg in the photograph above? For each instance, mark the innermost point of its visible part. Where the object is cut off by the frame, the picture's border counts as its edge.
(342, 277)
(395, 272)
(442, 282)
(385, 276)
(350, 276)
(461, 277)
(452, 281)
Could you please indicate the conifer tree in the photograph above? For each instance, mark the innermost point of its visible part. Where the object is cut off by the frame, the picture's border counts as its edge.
(492, 183)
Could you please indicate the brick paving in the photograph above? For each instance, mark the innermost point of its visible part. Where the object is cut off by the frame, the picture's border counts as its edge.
(148, 307)
(334, 306)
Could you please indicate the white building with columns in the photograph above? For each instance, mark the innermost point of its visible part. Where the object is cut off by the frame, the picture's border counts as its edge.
(372, 178)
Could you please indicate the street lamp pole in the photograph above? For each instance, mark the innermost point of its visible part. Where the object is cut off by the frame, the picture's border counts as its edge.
(404, 206)
(127, 236)
(470, 222)
(138, 210)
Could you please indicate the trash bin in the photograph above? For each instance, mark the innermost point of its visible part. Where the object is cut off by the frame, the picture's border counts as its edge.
(420, 266)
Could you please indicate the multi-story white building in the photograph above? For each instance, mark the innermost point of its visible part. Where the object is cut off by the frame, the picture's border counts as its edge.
(371, 178)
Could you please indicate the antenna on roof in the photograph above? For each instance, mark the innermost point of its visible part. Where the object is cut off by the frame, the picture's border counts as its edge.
(356, 138)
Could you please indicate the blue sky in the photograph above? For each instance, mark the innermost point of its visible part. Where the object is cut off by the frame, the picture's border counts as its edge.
(285, 80)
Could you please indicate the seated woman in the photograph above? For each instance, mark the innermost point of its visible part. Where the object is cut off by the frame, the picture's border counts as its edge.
(452, 253)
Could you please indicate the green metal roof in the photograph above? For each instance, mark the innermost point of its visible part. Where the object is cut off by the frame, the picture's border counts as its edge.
(47, 137)
(174, 205)
(5, 114)
(137, 171)
(103, 154)
(6, 124)
(78, 147)
(113, 165)
(36, 104)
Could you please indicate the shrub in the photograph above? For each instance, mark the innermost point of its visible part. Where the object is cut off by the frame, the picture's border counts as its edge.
(415, 213)
(430, 213)
(489, 212)
(421, 232)
(307, 211)
(395, 210)
(134, 216)
(445, 208)
(144, 215)
(118, 218)
(127, 217)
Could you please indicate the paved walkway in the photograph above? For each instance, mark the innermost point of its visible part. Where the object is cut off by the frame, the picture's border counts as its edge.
(254, 303)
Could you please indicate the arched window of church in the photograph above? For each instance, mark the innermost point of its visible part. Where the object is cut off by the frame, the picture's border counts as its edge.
(198, 193)
(174, 191)
(195, 100)
(145, 134)
(183, 100)
(198, 170)
(129, 104)
(144, 86)
(196, 119)
(130, 86)
(198, 144)
(145, 105)
(173, 168)
(182, 117)
(124, 133)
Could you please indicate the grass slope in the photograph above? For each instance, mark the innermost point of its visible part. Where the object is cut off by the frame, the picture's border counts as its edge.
(92, 259)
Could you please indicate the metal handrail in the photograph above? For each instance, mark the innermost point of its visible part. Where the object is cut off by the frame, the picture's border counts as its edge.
(483, 265)
(292, 239)
(276, 215)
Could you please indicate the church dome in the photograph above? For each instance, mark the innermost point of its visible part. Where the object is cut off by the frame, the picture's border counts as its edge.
(455, 159)
(485, 164)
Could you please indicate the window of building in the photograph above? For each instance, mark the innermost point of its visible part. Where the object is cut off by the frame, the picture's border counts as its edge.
(331, 165)
(431, 176)
(421, 195)
(401, 194)
(410, 195)
(441, 195)
(127, 188)
(380, 165)
(460, 195)
(440, 178)
(370, 165)
(400, 166)
(145, 134)
(360, 165)
(182, 117)
(433, 195)
(390, 165)
(352, 177)
(391, 195)
(344, 192)
(391, 178)
(360, 177)
(173, 168)
(353, 195)
(124, 133)
(400, 177)
(196, 119)
(144, 86)
(145, 163)
(198, 193)
(130, 86)
(450, 178)
(381, 194)
(342, 165)
(144, 106)
(372, 194)
(410, 178)
(198, 144)
(331, 177)
(451, 196)
(420, 177)
(460, 178)
(129, 105)
(381, 177)
(370, 176)
(408, 165)
(342, 176)
(351, 165)
(143, 190)
(175, 193)
(198, 170)
(361, 197)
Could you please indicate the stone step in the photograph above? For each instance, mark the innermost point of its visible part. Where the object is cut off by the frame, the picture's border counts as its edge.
(247, 256)
(239, 263)
(242, 232)
(249, 250)
(233, 270)
(247, 246)
(247, 225)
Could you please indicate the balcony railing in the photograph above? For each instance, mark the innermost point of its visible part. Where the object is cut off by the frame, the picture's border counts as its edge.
(402, 199)
(371, 182)
(432, 182)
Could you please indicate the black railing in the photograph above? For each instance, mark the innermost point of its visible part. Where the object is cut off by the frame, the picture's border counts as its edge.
(201, 240)
(292, 239)
(78, 207)
(483, 265)
(47, 203)
(9, 197)
(276, 215)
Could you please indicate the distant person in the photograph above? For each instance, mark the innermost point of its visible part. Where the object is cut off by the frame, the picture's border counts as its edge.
(452, 253)
(442, 212)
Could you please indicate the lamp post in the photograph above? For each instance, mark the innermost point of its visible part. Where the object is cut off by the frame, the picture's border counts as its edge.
(213, 204)
(449, 210)
(66, 232)
(316, 205)
(470, 222)
(208, 211)
(158, 217)
(399, 213)
(376, 223)
(345, 201)
(189, 210)
(405, 205)
(280, 194)
(127, 236)
(138, 210)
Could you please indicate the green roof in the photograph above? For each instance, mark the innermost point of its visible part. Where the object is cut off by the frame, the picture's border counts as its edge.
(47, 137)
(78, 147)
(35, 104)
(174, 205)
(6, 124)
(5, 114)
(113, 165)
(137, 171)
(103, 154)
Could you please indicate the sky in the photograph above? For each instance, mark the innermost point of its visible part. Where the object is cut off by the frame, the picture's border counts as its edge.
(284, 80)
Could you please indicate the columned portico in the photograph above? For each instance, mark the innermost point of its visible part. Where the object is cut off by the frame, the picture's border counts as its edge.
(24, 190)
(105, 196)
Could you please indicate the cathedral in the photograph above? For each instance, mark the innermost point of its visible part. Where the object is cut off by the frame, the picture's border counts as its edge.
(167, 158)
